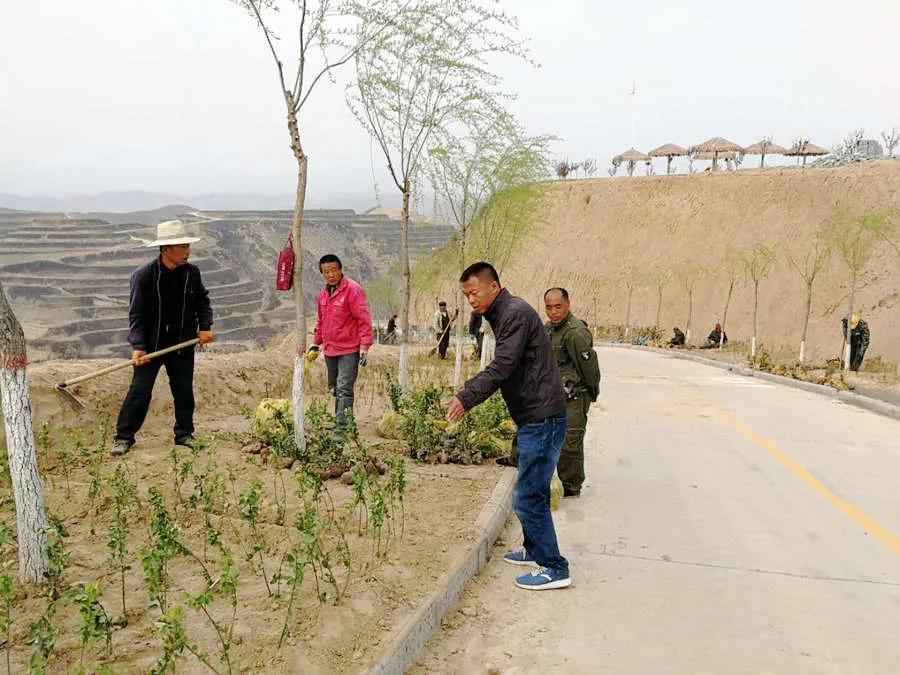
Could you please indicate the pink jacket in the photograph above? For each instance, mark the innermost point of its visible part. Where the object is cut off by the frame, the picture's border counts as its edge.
(344, 324)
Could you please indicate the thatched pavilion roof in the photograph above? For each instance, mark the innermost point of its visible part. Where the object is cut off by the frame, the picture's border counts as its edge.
(632, 155)
(668, 150)
(768, 147)
(719, 145)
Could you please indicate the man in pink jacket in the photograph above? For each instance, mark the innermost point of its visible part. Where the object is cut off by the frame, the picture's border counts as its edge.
(343, 331)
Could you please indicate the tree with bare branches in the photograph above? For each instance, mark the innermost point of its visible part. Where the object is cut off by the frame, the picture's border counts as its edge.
(688, 276)
(614, 168)
(809, 263)
(891, 139)
(420, 80)
(730, 270)
(661, 278)
(631, 279)
(329, 34)
(757, 262)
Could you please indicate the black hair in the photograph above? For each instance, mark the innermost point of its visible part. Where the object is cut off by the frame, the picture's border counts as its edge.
(482, 269)
(442, 304)
(330, 258)
(557, 289)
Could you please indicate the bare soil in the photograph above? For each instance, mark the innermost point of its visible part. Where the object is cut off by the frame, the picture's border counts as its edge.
(441, 506)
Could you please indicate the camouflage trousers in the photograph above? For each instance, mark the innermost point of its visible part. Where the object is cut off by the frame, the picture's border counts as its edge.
(570, 467)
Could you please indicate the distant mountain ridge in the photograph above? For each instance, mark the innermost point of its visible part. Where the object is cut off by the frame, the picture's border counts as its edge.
(139, 200)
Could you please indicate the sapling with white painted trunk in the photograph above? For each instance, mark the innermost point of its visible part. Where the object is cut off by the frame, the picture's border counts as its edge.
(757, 262)
(808, 265)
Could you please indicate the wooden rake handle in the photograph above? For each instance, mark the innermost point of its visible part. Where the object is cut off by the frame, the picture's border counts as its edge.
(125, 364)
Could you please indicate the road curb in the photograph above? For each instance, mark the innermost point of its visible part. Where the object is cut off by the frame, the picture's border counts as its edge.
(849, 397)
(416, 631)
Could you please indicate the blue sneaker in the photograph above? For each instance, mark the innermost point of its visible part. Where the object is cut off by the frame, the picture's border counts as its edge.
(544, 579)
(519, 558)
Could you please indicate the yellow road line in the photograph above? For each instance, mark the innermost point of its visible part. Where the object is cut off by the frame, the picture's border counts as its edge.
(882, 533)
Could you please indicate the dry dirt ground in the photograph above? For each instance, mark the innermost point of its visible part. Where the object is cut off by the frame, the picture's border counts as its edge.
(441, 506)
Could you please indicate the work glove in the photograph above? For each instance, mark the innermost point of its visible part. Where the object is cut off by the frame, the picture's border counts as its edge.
(312, 353)
(205, 336)
(363, 358)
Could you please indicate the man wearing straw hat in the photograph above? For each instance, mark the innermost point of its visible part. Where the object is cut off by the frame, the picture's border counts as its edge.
(168, 305)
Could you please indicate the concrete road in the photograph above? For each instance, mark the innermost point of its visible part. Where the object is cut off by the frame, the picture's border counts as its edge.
(727, 525)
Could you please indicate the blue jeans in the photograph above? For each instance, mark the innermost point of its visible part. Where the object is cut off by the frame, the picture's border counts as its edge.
(342, 372)
(539, 444)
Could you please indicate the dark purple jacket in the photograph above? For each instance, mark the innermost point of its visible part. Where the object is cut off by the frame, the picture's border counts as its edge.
(144, 317)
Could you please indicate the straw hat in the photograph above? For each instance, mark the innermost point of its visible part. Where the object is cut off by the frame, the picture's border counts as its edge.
(171, 232)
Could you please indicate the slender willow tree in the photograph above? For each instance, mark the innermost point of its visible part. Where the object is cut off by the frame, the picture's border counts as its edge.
(808, 265)
(661, 277)
(28, 494)
(329, 35)
(757, 262)
(417, 81)
(856, 239)
(467, 172)
(731, 267)
(689, 275)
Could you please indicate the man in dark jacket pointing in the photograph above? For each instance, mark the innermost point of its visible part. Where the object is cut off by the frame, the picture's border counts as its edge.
(524, 369)
(168, 305)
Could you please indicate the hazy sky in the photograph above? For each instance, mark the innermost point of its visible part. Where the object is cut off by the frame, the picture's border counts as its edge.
(180, 96)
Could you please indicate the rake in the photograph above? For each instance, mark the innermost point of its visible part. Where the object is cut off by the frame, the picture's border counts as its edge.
(63, 387)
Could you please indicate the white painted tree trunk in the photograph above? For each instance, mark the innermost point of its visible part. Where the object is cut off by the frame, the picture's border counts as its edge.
(297, 390)
(31, 521)
(488, 344)
(28, 494)
(403, 378)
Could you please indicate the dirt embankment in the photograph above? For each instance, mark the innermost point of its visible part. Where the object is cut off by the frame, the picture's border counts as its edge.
(593, 230)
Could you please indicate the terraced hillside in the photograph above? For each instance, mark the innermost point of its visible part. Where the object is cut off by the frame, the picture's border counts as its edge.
(67, 275)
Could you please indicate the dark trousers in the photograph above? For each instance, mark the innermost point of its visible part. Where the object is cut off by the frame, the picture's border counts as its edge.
(180, 369)
(857, 352)
(539, 444)
(571, 460)
(443, 343)
(342, 372)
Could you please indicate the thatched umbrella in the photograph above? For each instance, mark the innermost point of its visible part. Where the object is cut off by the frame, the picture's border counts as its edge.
(804, 149)
(716, 146)
(669, 151)
(763, 148)
(631, 156)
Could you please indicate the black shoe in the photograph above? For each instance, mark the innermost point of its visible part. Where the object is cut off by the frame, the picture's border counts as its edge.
(571, 493)
(120, 447)
(185, 441)
(507, 461)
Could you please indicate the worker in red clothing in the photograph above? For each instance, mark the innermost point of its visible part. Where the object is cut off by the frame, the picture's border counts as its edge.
(343, 332)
